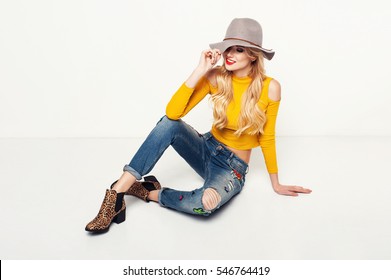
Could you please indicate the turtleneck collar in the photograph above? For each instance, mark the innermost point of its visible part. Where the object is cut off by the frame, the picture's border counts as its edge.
(242, 80)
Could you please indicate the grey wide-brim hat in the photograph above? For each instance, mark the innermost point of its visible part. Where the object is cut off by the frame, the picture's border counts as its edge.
(244, 32)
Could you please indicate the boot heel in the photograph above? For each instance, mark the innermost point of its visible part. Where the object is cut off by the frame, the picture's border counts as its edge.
(120, 217)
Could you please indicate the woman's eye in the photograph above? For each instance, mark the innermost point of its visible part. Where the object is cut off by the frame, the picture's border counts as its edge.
(239, 50)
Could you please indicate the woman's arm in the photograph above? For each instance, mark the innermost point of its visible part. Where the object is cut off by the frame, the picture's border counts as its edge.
(275, 95)
(194, 89)
(207, 60)
(286, 189)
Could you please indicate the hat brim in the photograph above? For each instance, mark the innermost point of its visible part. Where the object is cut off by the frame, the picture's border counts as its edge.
(223, 46)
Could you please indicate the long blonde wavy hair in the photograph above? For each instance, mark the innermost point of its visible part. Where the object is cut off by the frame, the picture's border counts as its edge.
(251, 118)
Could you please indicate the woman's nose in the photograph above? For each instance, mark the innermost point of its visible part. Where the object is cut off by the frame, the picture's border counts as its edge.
(230, 53)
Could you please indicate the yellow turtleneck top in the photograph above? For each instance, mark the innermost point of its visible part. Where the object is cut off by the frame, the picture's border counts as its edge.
(187, 98)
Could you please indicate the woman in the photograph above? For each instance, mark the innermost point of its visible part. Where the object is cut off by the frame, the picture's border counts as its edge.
(245, 103)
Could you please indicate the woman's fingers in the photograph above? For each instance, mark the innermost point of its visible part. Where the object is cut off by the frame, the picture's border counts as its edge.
(290, 193)
(212, 55)
(301, 189)
(216, 56)
(293, 190)
(209, 58)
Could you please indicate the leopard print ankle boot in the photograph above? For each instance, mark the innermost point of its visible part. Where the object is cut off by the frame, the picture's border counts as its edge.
(142, 189)
(112, 210)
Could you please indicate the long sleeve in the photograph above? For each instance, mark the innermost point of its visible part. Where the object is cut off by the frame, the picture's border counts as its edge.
(267, 139)
(186, 98)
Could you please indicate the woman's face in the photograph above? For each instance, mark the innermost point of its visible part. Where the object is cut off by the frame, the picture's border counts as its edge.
(237, 60)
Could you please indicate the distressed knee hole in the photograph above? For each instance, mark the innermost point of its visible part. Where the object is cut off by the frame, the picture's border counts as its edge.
(210, 199)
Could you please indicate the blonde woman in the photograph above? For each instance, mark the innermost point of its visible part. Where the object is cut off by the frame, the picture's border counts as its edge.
(245, 106)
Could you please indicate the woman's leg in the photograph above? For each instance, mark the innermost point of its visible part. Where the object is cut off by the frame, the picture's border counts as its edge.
(205, 200)
(154, 196)
(183, 138)
(124, 182)
(225, 178)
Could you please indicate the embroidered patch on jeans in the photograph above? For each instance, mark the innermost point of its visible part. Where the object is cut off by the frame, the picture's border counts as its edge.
(180, 197)
(236, 174)
(230, 187)
(200, 211)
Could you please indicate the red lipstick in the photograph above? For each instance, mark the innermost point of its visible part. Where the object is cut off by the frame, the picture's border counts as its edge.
(229, 62)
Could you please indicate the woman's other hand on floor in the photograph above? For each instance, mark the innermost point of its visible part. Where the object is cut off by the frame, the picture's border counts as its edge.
(290, 190)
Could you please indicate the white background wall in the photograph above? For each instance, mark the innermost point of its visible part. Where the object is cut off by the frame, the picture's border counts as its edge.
(88, 68)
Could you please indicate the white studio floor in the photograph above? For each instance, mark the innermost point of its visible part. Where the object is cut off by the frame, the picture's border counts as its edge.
(50, 189)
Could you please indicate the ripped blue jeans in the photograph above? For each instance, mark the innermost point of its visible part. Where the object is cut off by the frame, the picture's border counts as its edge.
(223, 172)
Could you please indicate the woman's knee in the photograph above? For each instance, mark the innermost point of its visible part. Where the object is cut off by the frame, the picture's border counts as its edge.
(168, 124)
(211, 199)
